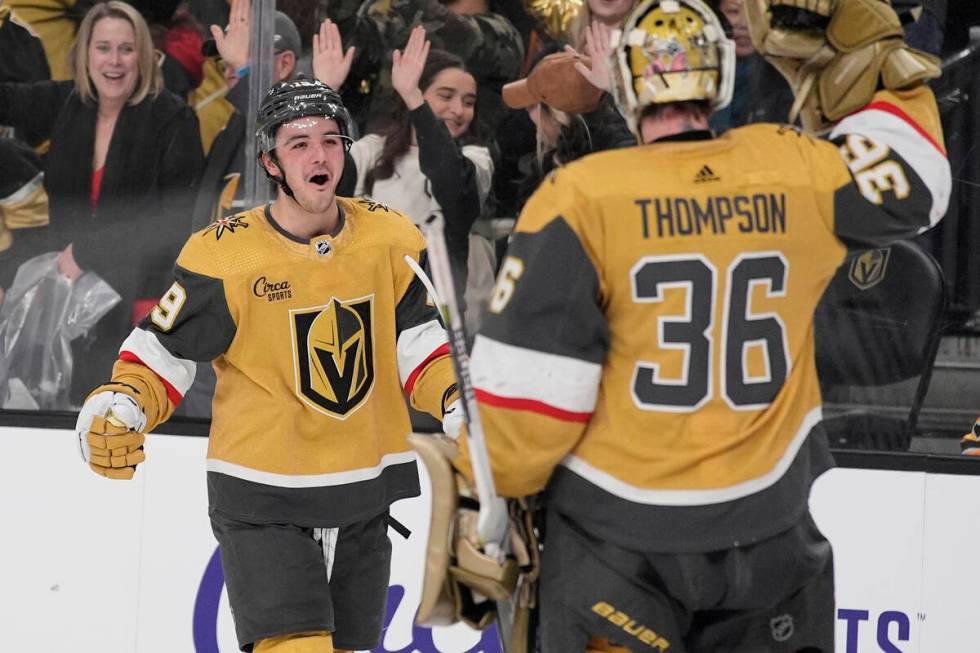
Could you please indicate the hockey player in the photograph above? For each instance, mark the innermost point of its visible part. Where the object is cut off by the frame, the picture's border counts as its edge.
(648, 358)
(316, 325)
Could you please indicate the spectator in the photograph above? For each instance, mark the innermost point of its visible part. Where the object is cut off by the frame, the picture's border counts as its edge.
(427, 158)
(572, 117)
(124, 161)
(23, 206)
(221, 183)
(610, 13)
(23, 60)
(760, 93)
(489, 45)
(178, 35)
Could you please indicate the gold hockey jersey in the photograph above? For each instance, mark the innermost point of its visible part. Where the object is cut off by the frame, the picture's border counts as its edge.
(313, 345)
(649, 352)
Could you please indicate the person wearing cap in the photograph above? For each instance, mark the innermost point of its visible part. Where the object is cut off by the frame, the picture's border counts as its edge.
(318, 330)
(221, 182)
(648, 361)
(571, 116)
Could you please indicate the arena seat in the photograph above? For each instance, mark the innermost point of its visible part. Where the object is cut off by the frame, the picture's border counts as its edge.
(877, 330)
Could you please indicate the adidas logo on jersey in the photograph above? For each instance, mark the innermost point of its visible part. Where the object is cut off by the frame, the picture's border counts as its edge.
(705, 174)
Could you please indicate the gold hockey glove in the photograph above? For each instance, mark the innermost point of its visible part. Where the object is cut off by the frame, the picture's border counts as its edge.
(835, 54)
(110, 432)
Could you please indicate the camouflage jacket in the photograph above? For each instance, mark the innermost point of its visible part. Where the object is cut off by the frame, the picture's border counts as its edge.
(488, 43)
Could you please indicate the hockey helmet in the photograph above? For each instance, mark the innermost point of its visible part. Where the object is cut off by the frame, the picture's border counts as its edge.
(672, 51)
(299, 98)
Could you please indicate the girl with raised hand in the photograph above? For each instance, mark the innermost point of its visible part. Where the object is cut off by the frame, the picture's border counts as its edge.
(426, 157)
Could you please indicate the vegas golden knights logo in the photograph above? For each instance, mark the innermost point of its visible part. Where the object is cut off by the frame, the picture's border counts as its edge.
(333, 355)
(868, 269)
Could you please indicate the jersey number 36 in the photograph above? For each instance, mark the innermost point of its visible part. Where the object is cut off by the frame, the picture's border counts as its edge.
(691, 333)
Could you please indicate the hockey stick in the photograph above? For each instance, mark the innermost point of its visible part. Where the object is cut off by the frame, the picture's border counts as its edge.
(493, 519)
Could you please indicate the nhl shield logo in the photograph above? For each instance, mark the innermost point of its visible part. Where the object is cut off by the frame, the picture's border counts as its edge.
(868, 269)
(781, 627)
(333, 355)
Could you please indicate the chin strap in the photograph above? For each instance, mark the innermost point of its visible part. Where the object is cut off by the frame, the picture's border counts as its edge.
(280, 181)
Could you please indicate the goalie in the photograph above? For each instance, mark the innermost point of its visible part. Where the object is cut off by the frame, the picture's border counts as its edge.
(648, 359)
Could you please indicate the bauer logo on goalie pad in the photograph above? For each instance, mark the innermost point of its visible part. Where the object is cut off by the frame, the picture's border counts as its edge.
(868, 269)
(333, 355)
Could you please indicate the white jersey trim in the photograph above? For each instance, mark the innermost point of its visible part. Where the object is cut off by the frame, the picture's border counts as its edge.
(415, 345)
(176, 371)
(515, 372)
(927, 162)
(309, 480)
(623, 490)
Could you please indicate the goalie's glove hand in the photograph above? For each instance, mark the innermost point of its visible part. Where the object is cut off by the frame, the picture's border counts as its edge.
(835, 54)
(970, 443)
(110, 433)
(454, 419)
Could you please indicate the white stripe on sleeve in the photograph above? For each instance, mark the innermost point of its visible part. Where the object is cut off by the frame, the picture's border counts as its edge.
(514, 372)
(145, 346)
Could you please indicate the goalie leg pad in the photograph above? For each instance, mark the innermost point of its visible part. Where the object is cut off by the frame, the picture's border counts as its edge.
(438, 606)
(460, 582)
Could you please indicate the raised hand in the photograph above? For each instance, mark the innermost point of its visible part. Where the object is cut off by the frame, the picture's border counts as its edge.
(233, 44)
(331, 64)
(406, 68)
(598, 72)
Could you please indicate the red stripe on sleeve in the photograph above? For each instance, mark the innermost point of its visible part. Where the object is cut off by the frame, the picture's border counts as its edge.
(531, 405)
(441, 350)
(888, 107)
(172, 394)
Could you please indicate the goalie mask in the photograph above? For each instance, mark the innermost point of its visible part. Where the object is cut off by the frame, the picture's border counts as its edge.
(671, 51)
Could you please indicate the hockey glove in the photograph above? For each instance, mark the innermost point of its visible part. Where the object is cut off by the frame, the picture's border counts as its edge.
(835, 54)
(110, 432)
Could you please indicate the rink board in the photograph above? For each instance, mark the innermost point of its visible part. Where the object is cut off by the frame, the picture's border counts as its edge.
(91, 565)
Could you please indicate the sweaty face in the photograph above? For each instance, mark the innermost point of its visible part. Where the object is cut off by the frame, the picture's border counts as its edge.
(113, 60)
(310, 151)
(610, 12)
(452, 97)
(732, 9)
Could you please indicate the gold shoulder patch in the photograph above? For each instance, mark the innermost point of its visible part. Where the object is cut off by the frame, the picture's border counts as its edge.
(221, 226)
(372, 205)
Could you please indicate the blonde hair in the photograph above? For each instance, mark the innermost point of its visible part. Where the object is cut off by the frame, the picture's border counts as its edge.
(149, 81)
(545, 144)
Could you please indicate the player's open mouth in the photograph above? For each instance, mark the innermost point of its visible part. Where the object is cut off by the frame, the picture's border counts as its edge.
(319, 180)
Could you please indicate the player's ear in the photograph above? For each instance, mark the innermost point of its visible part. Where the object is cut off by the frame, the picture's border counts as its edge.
(270, 164)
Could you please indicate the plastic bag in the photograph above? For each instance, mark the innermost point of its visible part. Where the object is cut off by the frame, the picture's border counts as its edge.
(42, 313)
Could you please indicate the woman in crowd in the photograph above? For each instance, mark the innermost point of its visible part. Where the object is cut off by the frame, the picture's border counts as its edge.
(572, 117)
(426, 157)
(125, 156)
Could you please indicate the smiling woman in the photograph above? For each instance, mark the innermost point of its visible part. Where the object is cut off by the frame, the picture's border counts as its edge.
(427, 158)
(124, 158)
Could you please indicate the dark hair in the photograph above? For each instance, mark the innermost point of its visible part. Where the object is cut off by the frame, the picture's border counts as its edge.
(698, 108)
(398, 130)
